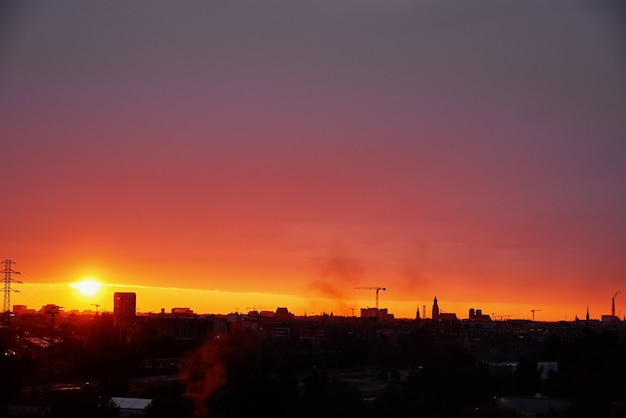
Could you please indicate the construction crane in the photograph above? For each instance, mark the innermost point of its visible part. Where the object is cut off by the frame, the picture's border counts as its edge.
(254, 308)
(376, 288)
(533, 311)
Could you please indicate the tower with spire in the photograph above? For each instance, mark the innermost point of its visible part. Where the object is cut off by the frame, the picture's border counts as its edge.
(435, 309)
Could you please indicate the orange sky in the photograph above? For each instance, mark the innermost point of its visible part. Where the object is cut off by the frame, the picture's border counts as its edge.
(324, 295)
(283, 155)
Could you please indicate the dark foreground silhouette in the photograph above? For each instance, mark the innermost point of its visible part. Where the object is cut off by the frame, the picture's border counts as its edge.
(414, 371)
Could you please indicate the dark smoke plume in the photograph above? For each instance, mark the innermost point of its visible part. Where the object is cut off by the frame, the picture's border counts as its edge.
(203, 373)
(225, 363)
(337, 275)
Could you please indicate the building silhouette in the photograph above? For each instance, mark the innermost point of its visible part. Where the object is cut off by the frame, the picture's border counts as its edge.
(435, 309)
(381, 314)
(124, 308)
(477, 315)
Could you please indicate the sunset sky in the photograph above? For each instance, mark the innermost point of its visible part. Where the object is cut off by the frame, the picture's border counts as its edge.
(221, 155)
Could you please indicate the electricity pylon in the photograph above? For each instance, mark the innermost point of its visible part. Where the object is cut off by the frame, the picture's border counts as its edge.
(8, 272)
(6, 306)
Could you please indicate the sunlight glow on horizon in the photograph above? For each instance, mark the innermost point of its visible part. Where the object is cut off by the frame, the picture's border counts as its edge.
(204, 301)
(87, 287)
(368, 153)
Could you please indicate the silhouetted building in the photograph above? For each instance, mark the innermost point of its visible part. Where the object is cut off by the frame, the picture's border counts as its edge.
(477, 315)
(124, 307)
(447, 317)
(369, 313)
(609, 319)
(23, 310)
(435, 309)
(131, 407)
(189, 327)
(283, 314)
(51, 309)
(381, 314)
(534, 406)
(182, 311)
(267, 314)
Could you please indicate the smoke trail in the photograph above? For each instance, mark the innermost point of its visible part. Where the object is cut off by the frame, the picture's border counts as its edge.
(336, 275)
(203, 373)
(225, 363)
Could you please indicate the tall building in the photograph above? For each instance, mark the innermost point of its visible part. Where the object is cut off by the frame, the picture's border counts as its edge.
(124, 307)
(435, 309)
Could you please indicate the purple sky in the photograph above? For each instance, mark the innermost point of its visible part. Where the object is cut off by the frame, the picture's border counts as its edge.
(451, 148)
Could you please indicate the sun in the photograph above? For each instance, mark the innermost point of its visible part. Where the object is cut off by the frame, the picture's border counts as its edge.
(87, 287)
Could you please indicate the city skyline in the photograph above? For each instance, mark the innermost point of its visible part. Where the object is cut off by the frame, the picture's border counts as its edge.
(100, 301)
(220, 155)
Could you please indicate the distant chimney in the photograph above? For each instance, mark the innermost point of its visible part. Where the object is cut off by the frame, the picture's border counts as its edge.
(612, 306)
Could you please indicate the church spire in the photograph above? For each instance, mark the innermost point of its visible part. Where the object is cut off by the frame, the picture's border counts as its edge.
(435, 309)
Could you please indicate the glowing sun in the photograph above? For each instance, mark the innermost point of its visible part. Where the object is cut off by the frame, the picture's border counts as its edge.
(87, 287)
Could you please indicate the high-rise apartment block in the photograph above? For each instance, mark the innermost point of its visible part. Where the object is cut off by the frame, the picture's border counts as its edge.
(124, 307)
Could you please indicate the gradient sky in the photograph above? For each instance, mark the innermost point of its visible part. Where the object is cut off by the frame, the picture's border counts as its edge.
(281, 153)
